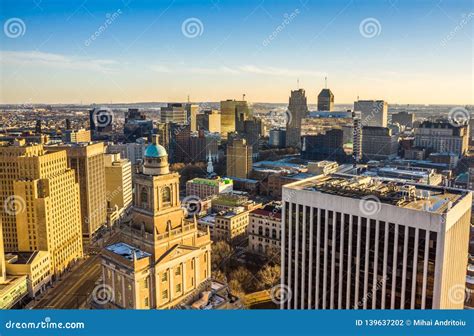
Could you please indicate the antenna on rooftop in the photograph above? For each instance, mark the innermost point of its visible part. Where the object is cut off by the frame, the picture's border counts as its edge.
(325, 82)
(188, 99)
(243, 96)
(297, 83)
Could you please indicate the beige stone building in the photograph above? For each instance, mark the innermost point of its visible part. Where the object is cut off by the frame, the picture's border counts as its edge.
(230, 110)
(264, 229)
(231, 226)
(158, 259)
(87, 160)
(41, 209)
(118, 181)
(239, 159)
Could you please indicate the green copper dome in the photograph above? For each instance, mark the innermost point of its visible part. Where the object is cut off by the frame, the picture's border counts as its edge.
(155, 151)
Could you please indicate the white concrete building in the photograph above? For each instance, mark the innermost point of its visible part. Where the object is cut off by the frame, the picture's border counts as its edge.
(373, 112)
(362, 243)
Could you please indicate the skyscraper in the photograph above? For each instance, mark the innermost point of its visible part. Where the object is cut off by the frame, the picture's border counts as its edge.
(354, 242)
(176, 112)
(191, 114)
(231, 111)
(357, 136)
(210, 121)
(87, 160)
(239, 159)
(41, 207)
(373, 112)
(118, 182)
(159, 259)
(297, 110)
(325, 100)
(136, 126)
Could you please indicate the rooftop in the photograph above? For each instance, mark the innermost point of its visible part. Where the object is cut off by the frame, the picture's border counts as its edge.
(419, 197)
(127, 251)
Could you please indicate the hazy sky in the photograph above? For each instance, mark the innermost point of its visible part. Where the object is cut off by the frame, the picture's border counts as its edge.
(401, 51)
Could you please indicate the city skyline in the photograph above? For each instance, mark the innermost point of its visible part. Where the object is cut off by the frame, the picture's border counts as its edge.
(123, 51)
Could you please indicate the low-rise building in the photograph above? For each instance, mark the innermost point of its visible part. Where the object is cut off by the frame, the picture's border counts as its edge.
(203, 188)
(264, 229)
(231, 226)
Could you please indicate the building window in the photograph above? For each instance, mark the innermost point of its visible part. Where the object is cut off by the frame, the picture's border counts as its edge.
(144, 197)
(177, 271)
(166, 195)
(146, 302)
(164, 294)
(164, 277)
(178, 288)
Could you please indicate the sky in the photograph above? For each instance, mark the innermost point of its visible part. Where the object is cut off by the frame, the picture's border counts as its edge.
(111, 51)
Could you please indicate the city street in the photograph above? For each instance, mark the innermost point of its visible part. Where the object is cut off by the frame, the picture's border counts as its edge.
(72, 291)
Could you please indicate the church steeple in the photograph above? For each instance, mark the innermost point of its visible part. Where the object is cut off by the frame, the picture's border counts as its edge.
(210, 167)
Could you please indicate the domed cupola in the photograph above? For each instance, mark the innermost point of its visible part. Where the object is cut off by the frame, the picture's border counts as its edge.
(155, 159)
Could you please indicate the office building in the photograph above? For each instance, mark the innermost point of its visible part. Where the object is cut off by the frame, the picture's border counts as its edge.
(209, 120)
(328, 145)
(87, 162)
(204, 188)
(239, 159)
(441, 136)
(203, 145)
(297, 110)
(136, 126)
(326, 100)
(277, 138)
(132, 151)
(176, 113)
(232, 110)
(264, 229)
(41, 206)
(179, 142)
(118, 182)
(231, 226)
(158, 259)
(378, 143)
(354, 242)
(403, 118)
(191, 115)
(75, 136)
(373, 112)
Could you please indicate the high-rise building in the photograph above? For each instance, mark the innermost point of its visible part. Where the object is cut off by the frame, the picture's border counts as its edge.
(41, 203)
(191, 114)
(132, 151)
(441, 136)
(202, 145)
(231, 111)
(373, 112)
(159, 259)
(180, 141)
(328, 145)
(118, 182)
(378, 143)
(209, 120)
(87, 161)
(176, 113)
(136, 126)
(297, 110)
(239, 159)
(325, 100)
(355, 242)
(356, 136)
(403, 118)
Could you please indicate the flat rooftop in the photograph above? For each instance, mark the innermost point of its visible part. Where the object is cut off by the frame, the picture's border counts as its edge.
(127, 251)
(398, 193)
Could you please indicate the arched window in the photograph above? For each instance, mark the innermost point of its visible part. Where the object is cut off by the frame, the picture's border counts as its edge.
(267, 232)
(274, 234)
(260, 231)
(144, 198)
(166, 195)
